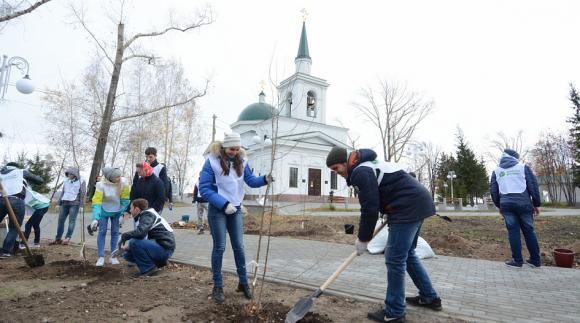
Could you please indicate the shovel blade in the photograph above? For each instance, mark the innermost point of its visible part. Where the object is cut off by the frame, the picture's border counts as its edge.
(299, 310)
(34, 260)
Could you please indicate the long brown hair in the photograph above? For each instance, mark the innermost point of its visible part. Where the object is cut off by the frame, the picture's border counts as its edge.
(225, 163)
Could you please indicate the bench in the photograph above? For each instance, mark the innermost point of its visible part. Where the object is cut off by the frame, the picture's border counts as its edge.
(336, 199)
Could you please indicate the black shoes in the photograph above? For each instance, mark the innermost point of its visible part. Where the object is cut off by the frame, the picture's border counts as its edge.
(418, 301)
(379, 316)
(513, 264)
(532, 264)
(150, 273)
(245, 288)
(218, 295)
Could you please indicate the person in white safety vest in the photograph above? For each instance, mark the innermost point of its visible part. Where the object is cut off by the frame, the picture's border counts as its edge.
(514, 190)
(71, 199)
(160, 171)
(152, 242)
(12, 178)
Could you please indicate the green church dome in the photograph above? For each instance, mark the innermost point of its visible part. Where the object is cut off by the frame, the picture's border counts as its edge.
(257, 111)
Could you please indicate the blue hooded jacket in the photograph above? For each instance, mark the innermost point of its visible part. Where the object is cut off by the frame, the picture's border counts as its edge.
(399, 195)
(522, 199)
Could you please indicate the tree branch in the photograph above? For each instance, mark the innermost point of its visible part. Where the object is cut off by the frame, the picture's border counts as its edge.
(142, 113)
(204, 19)
(23, 12)
(149, 57)
(82, 22)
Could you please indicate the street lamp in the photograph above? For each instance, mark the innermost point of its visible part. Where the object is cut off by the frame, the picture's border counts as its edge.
(445, 189)
(451, 175)
(23, 85)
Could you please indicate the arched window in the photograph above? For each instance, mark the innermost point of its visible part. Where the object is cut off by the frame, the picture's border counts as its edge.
(311, 104)
(289, 103)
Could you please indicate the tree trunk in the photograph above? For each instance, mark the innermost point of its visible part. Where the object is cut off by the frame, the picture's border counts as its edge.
(108, 113)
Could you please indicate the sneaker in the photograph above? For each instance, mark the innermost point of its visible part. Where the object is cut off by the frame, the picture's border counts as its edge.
(379, 316)
(21, 246)
(100, 262)
(218, 295)
(66, 241)
(35, 245)
(200, 231)
(55, 242)
(418, 301)
(513, 264)
(113, 261)
(245, 288)
(150, 273)
(5, 255)
(533, 265)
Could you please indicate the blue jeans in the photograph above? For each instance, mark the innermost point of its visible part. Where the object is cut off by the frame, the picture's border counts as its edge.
(400, 256)
(146, 254)
(518, 218)
(34, 222)
(219, 222)
(18, 208)
(103, 224)
(70, 211)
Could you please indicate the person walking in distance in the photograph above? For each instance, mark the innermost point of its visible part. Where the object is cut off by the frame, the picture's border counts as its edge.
(514, 190)
(202, 206)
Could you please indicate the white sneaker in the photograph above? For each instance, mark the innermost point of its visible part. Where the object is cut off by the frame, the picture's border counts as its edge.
(100, 262)
(114, 261)
(36, 245)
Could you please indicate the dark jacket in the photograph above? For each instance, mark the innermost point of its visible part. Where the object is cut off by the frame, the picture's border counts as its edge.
(28, 176)
(150, 188)
(165, 179)
(162, 236)
(400, 196)
(523, 199)
(197, 195)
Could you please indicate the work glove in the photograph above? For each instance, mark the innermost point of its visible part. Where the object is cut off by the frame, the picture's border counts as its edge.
(170, 206)
(269, 179)
(91, 228)
(230, 209)
(361, 247)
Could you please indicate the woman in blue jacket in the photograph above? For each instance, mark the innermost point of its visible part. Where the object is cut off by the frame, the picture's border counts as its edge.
(222, 185)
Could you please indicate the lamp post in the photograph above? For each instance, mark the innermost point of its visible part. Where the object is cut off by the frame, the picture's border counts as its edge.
(445, 190)
(23, 85)
(262, 142)
(451, 175)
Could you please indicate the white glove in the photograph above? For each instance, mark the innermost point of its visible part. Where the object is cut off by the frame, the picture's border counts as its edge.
(230, 209)
(94, 225)
(361, 247)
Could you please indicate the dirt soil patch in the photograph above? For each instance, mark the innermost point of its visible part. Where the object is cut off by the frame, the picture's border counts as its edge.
(479, 237)
(67, 290)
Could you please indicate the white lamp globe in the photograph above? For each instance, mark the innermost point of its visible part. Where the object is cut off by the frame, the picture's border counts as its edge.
(25, 85)
(267, 142)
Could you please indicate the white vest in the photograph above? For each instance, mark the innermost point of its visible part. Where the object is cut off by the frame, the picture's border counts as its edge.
(157, 169)
(159, 220)
(13, 182)
(383, 167)
(71, 190)
(511, 180)
(111, 195)
(230, 187)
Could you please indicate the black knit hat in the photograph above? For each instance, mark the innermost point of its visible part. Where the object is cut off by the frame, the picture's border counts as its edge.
(336, 155)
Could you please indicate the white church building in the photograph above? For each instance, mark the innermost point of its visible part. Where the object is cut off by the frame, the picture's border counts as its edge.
(303, 138)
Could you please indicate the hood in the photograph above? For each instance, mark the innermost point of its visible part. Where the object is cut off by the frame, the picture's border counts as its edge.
(73, 171)
(7, 169)
(357, 157)
(216, 146)
(507, 161)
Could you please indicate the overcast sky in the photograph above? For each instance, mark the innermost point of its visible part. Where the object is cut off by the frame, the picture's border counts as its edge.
(489, 66)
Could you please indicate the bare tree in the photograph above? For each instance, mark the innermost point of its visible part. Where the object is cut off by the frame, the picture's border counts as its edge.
(126, 50)
(545, 166)
(396, 112)
(10, 11)
(501, 141)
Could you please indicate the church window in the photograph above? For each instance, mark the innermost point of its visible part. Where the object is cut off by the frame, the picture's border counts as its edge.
(333, 181)
(289, 103)
(293, 177)
(311, 104)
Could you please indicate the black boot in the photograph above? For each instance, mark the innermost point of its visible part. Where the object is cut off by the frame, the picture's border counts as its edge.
(245, 288)
(218, 295)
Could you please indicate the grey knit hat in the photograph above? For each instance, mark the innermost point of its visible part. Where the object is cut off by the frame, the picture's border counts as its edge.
(111, 172)
(232, 140)
(337, 155)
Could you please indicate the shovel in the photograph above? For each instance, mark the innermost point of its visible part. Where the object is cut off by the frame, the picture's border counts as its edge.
(31, 259)
(83, 247)
(305, 303)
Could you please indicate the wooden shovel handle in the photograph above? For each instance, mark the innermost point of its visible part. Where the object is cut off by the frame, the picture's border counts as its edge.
(345, 263)
(14, 219)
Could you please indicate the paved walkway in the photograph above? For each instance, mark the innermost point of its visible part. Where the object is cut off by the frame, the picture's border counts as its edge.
(475, 290)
